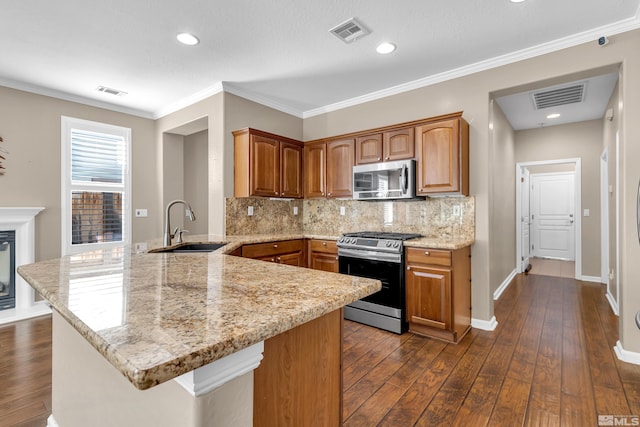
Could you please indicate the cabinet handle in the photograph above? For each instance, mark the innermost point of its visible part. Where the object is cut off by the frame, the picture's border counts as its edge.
(408, 268)
(275, 246)
(324, 243)
(276, 192)
(273, 260)
(427, 253)
(278, 259)
(337, 258)
(379, 159)
(387, 158)
(329, 194)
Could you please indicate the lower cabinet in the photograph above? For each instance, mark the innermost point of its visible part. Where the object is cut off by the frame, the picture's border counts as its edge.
(290, 252)
(438, 292)
(323, 255)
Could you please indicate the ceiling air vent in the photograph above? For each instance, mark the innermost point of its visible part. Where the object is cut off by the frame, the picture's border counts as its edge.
(560, 96)
(110, 91)
(349, 31)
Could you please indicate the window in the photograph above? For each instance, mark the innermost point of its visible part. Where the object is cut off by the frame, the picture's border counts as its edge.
(96, 190)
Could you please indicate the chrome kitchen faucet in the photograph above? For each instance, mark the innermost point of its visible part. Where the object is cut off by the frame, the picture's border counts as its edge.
(167, 222)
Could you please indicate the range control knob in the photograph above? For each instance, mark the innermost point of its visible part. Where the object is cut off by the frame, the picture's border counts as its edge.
(396, 245)
(388, 244)
(341, 239)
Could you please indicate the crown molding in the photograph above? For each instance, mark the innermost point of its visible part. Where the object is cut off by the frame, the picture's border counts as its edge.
(190, 100)
(541, 49)
(65, 96)
(261, 99)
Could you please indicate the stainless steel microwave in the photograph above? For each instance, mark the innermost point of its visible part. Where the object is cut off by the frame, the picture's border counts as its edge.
(385, 181)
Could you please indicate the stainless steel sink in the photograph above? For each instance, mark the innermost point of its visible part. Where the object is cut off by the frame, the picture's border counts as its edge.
(190, 247)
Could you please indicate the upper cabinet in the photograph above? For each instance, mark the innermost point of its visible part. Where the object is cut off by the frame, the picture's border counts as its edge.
(385, 146)
(328, 169)
(442, 151)
(266, 165)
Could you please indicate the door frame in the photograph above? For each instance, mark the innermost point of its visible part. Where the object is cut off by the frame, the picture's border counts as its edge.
(577, 162)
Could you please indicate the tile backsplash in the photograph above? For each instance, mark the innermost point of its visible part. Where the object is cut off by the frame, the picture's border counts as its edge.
(432, 217)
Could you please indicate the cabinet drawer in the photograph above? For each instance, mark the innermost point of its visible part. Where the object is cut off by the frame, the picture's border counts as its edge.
(259, 250)
(429, 256)
(325, 246)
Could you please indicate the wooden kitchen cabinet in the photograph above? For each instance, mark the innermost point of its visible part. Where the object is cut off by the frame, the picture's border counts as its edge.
(329, 169)
(290, 252)
(385, 146)
(442, 151)
(323, 255)
(266, 165)
(438, 292)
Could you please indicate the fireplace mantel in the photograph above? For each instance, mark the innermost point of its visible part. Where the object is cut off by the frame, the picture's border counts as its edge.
(22, 220)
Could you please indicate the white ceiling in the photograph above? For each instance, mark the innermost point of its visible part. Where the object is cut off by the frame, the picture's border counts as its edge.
(277, 52)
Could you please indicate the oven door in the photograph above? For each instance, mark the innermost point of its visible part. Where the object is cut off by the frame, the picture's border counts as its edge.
(389, 273)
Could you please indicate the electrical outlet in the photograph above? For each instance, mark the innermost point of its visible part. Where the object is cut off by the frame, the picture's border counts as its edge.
(295, 210)
(456, 210)
(342, 210)
(250, 211)
(141, 213)
(141, 247)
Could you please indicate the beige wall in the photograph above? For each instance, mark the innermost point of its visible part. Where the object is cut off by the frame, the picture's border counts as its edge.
(471, 94)
(576, 140)
(503, 203)
(196, 188)
(30, 126)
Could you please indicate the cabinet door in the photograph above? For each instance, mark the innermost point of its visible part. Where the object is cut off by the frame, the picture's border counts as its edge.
(265, 166)
(399, 145)
(438, 153)
(315, 164)
(293, 258)
(340, 161)
(429, 296)
(369, 149)
(324, 262)
(290, 170)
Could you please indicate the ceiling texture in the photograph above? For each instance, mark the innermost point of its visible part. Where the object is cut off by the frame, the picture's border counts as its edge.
(279, 52)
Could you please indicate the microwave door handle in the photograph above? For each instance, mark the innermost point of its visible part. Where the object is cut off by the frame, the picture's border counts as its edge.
(405, 179)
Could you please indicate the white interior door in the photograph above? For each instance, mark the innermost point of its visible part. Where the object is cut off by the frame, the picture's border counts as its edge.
(525, 219)
(552, 215)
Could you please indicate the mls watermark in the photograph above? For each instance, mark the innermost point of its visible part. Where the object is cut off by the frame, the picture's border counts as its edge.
(618, 420)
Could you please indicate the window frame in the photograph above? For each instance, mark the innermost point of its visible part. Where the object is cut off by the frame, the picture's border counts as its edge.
(67, 187)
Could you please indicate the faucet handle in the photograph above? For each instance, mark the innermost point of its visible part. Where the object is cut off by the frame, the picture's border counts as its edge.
(177, 233)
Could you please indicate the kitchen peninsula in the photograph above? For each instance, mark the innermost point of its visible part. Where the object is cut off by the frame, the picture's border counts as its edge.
(182, 334)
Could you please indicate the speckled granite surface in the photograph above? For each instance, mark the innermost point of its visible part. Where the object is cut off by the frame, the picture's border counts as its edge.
(157, 316)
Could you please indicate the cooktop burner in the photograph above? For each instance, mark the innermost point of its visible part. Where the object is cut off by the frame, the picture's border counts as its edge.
(383, 235)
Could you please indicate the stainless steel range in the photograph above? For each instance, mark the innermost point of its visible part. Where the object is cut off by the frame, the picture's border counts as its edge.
(376, 255)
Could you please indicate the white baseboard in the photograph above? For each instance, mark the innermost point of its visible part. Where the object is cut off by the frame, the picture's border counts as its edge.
(612, 303)
(592, 279)
(504, 285)
(485, 325)
(625, 355)
(51, 422)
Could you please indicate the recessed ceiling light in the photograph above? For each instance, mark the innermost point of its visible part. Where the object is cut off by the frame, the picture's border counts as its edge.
(384, 48)
(516, 1)
(553, 116)
(188, 39)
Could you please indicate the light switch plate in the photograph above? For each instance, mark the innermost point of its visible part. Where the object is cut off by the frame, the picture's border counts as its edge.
(250, 211)
(141, 213)
(295, 210)
(587, 212)
(342, 210)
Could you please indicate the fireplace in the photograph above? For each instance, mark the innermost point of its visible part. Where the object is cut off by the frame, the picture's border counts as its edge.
(17, 228)
(7, 269)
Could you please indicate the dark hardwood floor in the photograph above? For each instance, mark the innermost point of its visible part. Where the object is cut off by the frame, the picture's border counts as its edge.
(25, 373)
(550, 362)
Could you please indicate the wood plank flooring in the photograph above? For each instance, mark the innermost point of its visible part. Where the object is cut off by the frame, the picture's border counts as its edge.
(550, 362)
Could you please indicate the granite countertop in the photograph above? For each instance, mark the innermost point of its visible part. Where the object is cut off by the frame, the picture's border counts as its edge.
(155, 316)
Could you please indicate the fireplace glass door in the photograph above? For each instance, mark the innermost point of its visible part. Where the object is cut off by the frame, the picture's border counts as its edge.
(7, 269)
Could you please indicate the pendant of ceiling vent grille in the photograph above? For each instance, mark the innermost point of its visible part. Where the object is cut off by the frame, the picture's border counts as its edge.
(349, 31)
(560, 96)
(110, 91)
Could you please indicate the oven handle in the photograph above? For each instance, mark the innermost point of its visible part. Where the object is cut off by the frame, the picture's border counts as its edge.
(370, 255)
